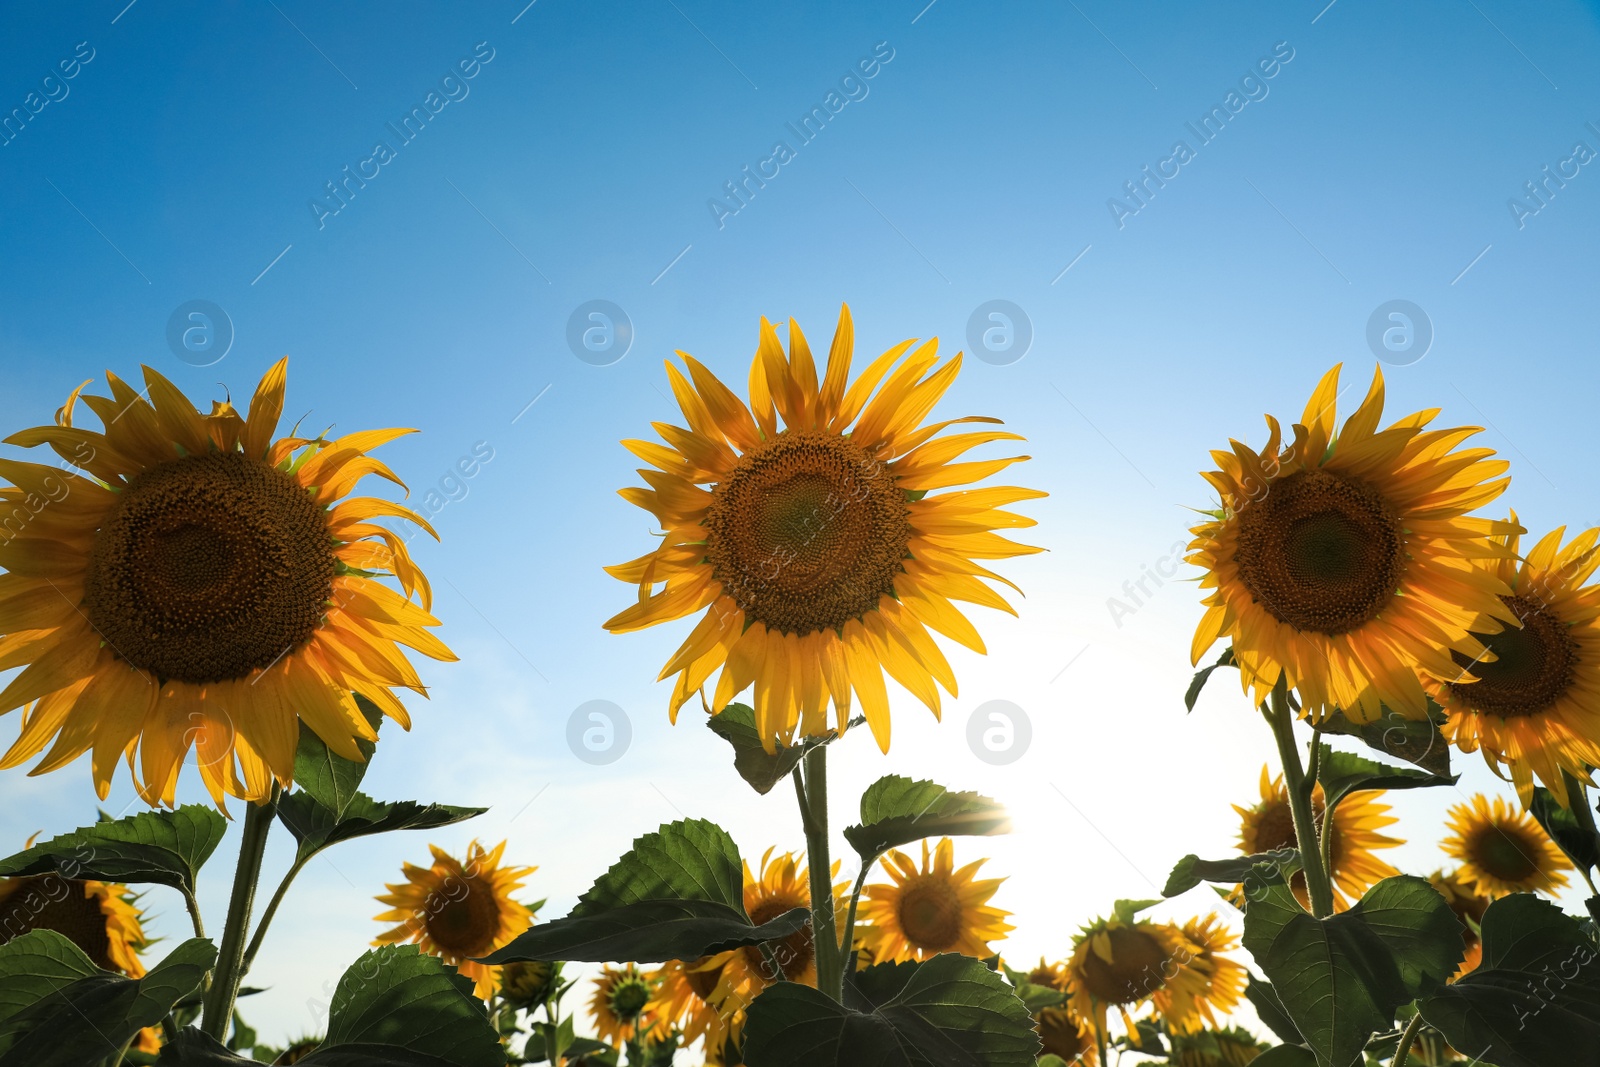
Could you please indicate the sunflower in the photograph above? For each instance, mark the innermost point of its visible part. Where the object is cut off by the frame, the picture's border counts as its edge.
(930, 909)
(1124, 962)
(1529, 704)
(685, 1000)
(1233, 1047)
(1503, 850)
(1269, 827)
(1184, 1005)
(1341, 564)
(621, 1004)
(1469, 906)
(1063, 1032)
(101, 918)
(814, 550)
(527, 984)
(203, 585)
(781, 885)
(458, 911)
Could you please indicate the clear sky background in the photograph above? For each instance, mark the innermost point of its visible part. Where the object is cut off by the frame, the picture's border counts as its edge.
(181, 162)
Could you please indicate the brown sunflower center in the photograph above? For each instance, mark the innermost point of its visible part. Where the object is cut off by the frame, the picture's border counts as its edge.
(1501, 854)
(1532, 669)
(807, 533)
(794, 953)
(50, 902)
(210, 567)
(1062, 1035)
(1273, 831)
(1137, 967)
(930, 914)
(463, 917)
(1320, 552)
(702, 983)
(628, 998)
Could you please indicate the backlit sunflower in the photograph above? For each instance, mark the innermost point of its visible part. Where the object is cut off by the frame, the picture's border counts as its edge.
(1233, 1047)
(202, 584)
(620, 1005)
(1342, 562)
(458, 910)
(685, 1000)
(930, 909)
(1063, 1032)
(781, 885)
(1530, 705)
(1269, 826)
(1123, 962)
(818, 559)
(1469, 906)
(1503, 850)
(1185, 1006)
(102, 919)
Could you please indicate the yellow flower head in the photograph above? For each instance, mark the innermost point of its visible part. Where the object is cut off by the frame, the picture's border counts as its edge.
(101, 918)
(1123, 962)
(458, 910)
(1502, 850)
(200, 584)
(1340, 563)
(814, 551)
(1219, 980)
(1469, 906)
(1528, 704)
(781, 885)
(621, 1005)
(686, 999)
(930, 909)
(1269, 827)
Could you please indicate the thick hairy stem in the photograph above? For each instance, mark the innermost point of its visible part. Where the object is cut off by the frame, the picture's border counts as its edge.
(1402, 1051)
(847, 943)
(230, 957)
(814, 804)
(1299, 790)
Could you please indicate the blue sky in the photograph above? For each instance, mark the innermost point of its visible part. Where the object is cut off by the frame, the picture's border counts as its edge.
(984, 159)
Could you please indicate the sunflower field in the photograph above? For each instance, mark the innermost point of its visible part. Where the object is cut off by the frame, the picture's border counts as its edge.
(207, 593)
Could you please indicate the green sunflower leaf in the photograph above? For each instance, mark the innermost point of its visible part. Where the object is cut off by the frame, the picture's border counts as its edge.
(326, 776)
(1269, 1009)
(1534, 1001)
(163, 847)
(950, 1011)
(1192, 870)
(57, 1009)
(896, 811)
(736, 724)
(1285, 1056)
(1341, 979)
(1343, 773)
(1563, 826)
(316, 827)
(1417, 741)
(1203, 675)
(678, 894)
(1037, 997)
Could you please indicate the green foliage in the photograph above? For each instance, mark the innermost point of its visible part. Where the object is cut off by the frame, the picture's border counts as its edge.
(678, 894)
(316, 827)
(736, 724)
(1203, 675)
(1269, 1009)
(163, 847)
(1417, 741)
(1341, 979)
(896, 811)
(1534, 1001)
(324, 775)
(1285, 1056)
(1343, 773)
(1036, 997)
(1564, 827)
(1192, 870)
(57, 1009)
(950, 1011)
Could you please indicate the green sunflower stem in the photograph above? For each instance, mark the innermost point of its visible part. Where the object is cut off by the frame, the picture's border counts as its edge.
(1318, 888)
(1402, 1051)
(229, 971)
(824, 934)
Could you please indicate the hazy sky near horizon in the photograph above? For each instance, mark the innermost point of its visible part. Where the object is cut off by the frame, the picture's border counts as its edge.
(1190, 213)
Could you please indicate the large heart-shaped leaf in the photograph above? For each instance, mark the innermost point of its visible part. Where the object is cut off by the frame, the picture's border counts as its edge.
(950, 1011)
(1534, 1000)
(1192, 870)
(1343, 773)
(59, 1010)
(678, 894)
(316, 827)
(163, 847)
(327, 776)
(1269, 1009)
(896, 811)
(1416, 741)
(1341, 979)
(736, 724)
